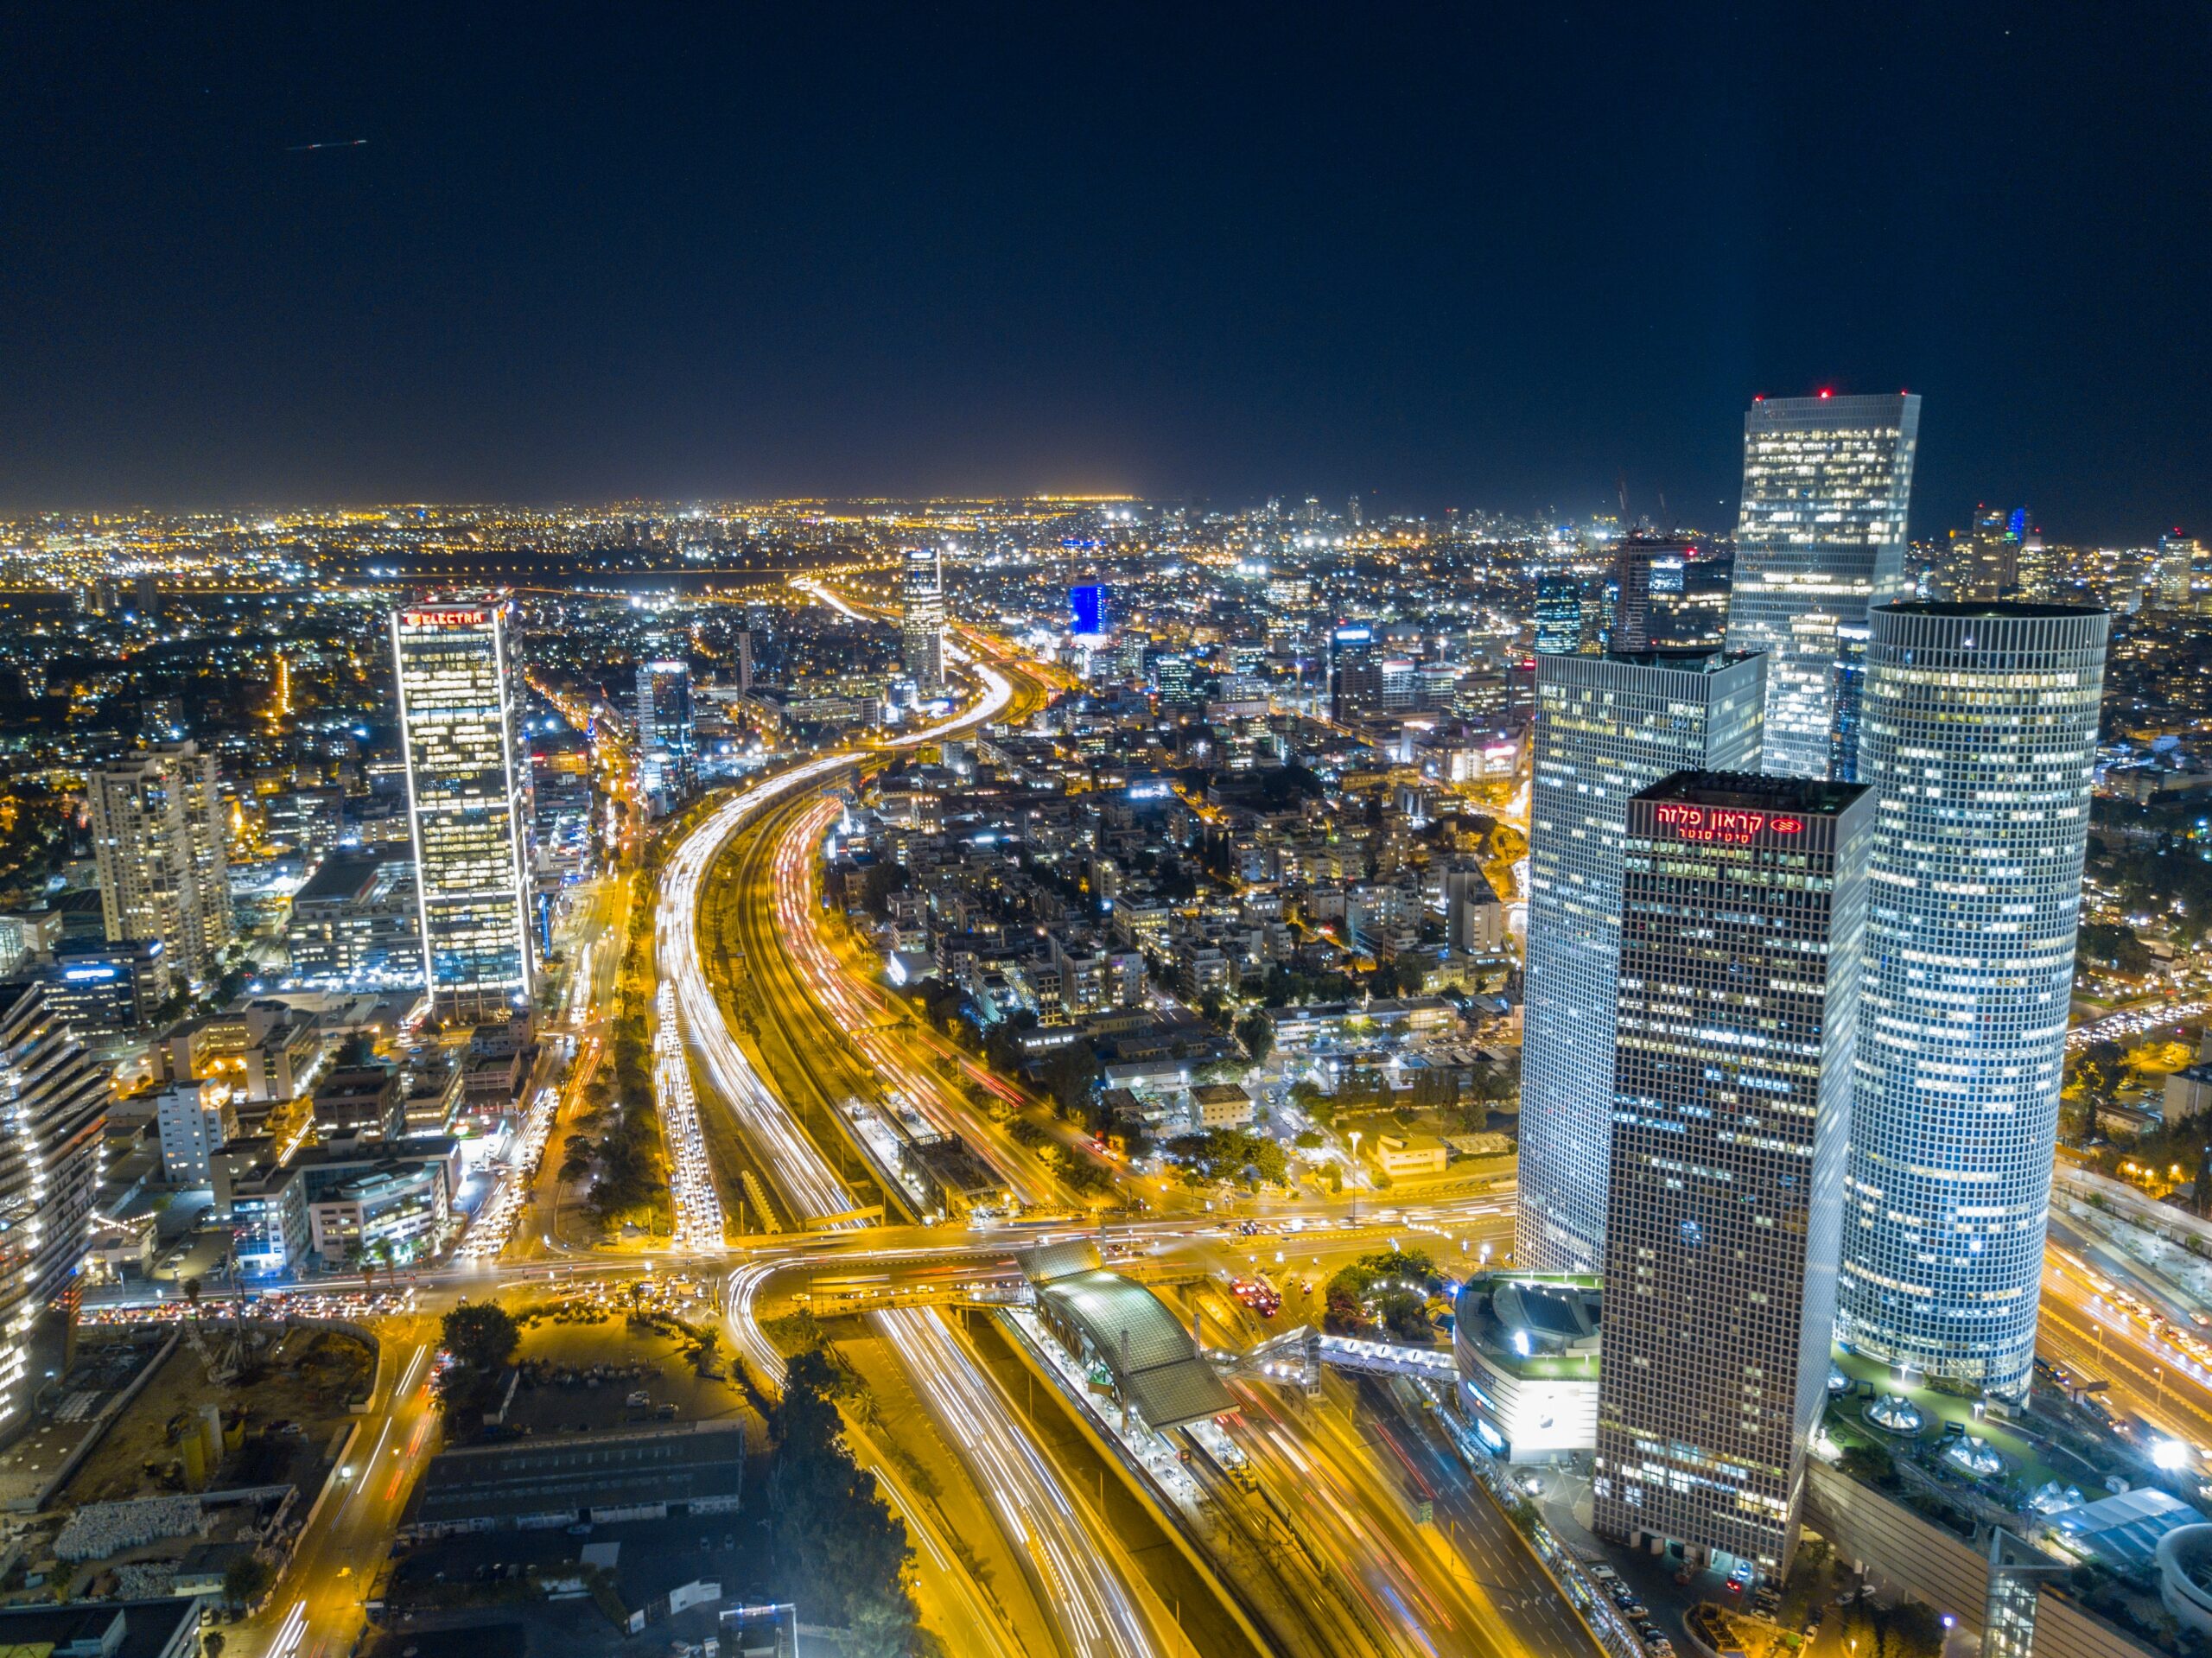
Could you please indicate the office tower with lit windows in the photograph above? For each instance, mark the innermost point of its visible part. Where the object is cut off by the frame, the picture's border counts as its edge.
(1819, 538)
(465, 806)
(53, 1108)
(922, 623)
(1849, 680)
(1689, 600)
(1743, 903)
(1605, 728)
(1979, 737)
(1558, 614)
(668, 750)
(1647, 573)
(1982, 564)
(1355, 673)
(2174, 577)
(1172, 675)
(161, 848)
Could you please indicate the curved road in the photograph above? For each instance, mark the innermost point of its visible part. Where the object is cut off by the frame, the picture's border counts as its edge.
(1085, 1580)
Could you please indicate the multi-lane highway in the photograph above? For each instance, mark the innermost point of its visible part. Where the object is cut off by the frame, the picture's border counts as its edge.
(1084, 1576)
(837, 1030)
(1352, 1571)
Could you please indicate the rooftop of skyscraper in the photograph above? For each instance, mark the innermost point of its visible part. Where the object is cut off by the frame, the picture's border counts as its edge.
(1996, 609)
(1754, 790)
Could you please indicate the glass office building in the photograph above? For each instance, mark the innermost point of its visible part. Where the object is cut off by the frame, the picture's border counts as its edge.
(922, 620)
(1819, 538)
(668, 747)
(1743, 903)
(1605, 727)
(53, 1108)
(1558, 614)
(466, 811)
(1980, 730)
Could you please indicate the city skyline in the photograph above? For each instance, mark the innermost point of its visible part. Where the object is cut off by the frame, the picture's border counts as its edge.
(434, 337)
(1290, 833)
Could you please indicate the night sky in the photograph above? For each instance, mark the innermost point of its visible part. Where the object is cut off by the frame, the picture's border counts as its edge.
(1488, 256)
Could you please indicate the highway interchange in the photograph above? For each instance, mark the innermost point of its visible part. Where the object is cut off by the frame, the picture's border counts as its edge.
(1348, 1569)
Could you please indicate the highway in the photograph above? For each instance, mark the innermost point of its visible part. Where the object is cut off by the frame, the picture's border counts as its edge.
(1079, 1571)
(1083, 1579)
(315, 1611)
(1351, 1572)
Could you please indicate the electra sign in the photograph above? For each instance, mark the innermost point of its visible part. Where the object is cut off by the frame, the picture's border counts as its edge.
(1729, 825)
(447, 619)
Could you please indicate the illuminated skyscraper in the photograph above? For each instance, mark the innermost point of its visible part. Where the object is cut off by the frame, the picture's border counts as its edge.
(1742, 909)
(1820, 537)
(1982, 564)
(2175, 572)
(1355, 673)
(1558, 614)
(668, 749)
(1605, 727)
(160, 844)
(1980, 730)
(53, 1107)
(456, 720)
(1647, 576)
(1088, 613)
(922, 627)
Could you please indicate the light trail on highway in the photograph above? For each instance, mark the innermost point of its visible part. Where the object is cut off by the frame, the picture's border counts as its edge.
(861, 1012)
(1098, 1610)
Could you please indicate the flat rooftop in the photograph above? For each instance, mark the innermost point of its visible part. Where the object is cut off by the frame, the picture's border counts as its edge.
(489, 1485)
(1756, 790)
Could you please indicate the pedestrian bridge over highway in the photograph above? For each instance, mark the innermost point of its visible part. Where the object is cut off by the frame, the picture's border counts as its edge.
(1306, 1348)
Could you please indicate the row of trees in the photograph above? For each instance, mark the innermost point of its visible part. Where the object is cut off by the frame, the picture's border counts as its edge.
(841, 1551)
(1231, 1154)
(623, 1149)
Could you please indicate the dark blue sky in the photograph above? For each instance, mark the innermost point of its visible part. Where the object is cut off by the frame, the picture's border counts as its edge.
(1435, 255)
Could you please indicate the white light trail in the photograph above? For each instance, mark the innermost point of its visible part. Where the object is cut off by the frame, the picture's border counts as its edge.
(690, 1181)
(1093, 1603)
(496, 1217)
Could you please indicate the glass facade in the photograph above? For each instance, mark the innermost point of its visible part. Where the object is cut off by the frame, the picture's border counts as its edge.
(1558, 614)
(1743, 902)
(1819, 538)
(1980, 728)
(53, 1108)
(667, 738)
(1605, 727)
(922, 625)
(457, 722)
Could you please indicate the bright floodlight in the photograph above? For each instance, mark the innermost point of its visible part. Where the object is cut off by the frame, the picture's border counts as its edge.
(2169, 1454)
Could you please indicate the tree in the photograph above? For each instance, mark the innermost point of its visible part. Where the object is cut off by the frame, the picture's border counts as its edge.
(878, 884)
(1257, 1033)
(1870, 1464)
(839, 1541)
(246, 1579)
(479, 1337)
(2098, 1071)
(578, 1155)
